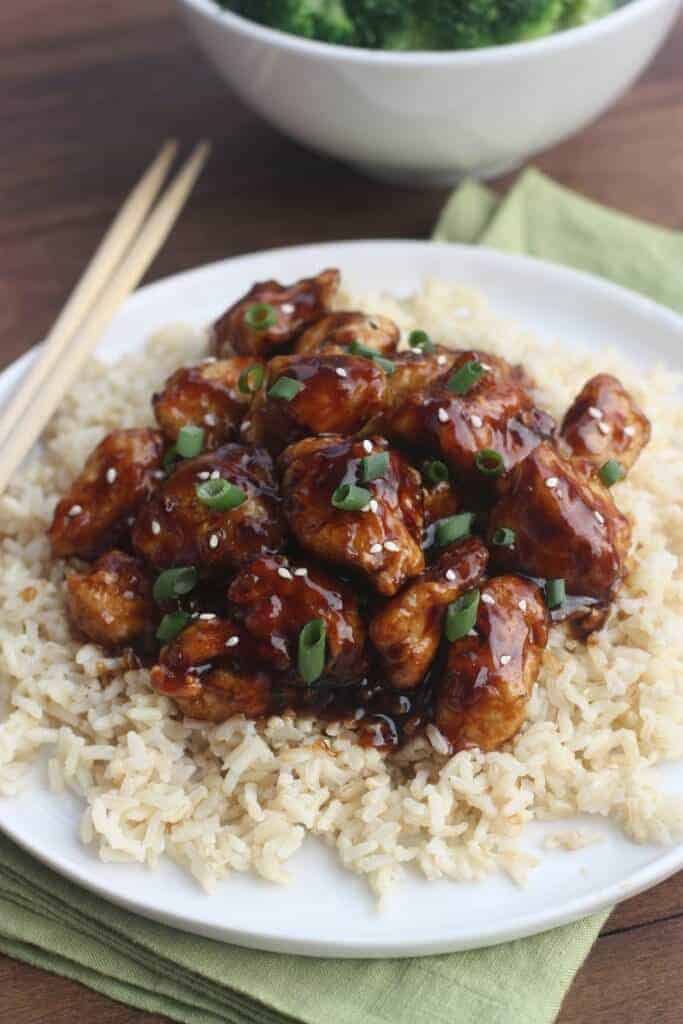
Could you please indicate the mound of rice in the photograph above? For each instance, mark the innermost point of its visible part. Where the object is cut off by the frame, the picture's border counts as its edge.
(242, 796)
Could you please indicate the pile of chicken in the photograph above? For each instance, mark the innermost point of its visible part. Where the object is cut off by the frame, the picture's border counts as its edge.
(293, 410)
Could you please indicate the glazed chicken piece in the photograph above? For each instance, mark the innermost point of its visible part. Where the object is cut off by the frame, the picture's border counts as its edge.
(274, 600)
(206, 396)
(177, 528)
(381, 542)
(496, 412)
(211, 672)
(111, 603)
(566, 526)
(415, 371)
(605, 423)
(407, 631)
(334, 333)
(337, 394)
(272, 315)
(118, 476)
(487, 681)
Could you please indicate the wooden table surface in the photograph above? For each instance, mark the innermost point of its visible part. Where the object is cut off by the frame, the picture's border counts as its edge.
(88, 89)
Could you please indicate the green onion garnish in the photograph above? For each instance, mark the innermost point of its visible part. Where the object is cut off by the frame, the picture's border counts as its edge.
(350, 498)
(503, 537)
(171, 625)
(311, 659)
(251, 379)
(190, 441)
(358, 349)
(220, 494)
(466, 377)
(489, 462)
(611, 472)
(461, 615)
(421, 340)
(175, 583)
(261, 316)
(453, 528)
(436, 472)
(374, 466)
(170, 458)
(286, 388)
(555, 593)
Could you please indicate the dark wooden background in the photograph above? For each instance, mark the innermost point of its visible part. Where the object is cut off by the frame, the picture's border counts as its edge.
(88, 89)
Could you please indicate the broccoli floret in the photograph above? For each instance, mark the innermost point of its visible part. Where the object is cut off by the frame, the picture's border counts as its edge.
(467, 24)
(382, 24)
(326, 20)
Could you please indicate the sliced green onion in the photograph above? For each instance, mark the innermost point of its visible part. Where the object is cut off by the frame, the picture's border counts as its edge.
(358, 349)
(251, 379)
(436, 472)
(170, 458)
(466, 377)
(175, 583)
(555, 593)
(171, 625)
(190, 441)
(489, 462)
(611, 472)
(461, 615)
(220, 494)
(286, 388)
(261, 316)
(421, 340)
(453, 528)
(350, 498)
(374, 466)
(503, 537)
(311, 661)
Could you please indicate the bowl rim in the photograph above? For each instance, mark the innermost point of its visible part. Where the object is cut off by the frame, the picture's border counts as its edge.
(621, 17)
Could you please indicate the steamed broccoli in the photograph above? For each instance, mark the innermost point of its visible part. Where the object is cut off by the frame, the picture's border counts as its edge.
(421, 24)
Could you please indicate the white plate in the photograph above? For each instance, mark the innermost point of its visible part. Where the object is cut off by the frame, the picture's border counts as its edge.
(327, 911)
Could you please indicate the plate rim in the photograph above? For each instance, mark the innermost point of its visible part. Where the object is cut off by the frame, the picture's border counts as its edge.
(520, 925)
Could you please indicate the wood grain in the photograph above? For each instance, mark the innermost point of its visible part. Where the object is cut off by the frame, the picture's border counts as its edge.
(88, 89)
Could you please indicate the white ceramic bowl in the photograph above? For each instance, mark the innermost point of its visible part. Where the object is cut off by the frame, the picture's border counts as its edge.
(430, 118)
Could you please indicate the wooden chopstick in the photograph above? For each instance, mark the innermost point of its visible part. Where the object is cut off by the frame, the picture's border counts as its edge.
(126, 276)
(110, 250)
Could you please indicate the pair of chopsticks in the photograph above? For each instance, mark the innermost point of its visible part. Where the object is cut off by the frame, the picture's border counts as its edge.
(119, 263)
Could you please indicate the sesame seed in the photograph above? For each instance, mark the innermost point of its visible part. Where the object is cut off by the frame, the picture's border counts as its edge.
(287, 307)
(301, 572)
(75, 510)
(340, 371)
(487, 599)
(476, 421)
(473, 632)
(214, 541)
(210, 419)
(216, 475)
(485, 366)
(128, 595)
(630, 431)
(551, 482)
(373, 506)
(246, 424)
(450, 575)
(443, 416)
(441, 360)
(232, 641)
(111, 475)
(208, 359)
(285, 574)
(156, 527)
(600, 518)
(375, 549)
(374, 325)
(203, 476)
(604, 428)
(505, 659)
(594, 412)
(207, 616)
(522, 605)
(131, 520)
(158, 474)
(367, 446)
(391, 545)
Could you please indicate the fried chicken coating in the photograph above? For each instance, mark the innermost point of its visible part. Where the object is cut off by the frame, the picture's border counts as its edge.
(603, 422)
(335, 332)
(111, 603)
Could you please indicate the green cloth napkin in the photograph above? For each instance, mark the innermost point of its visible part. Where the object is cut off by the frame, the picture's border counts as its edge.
(53, 924)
